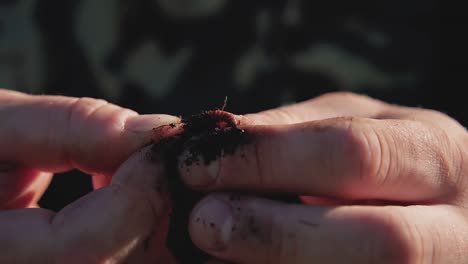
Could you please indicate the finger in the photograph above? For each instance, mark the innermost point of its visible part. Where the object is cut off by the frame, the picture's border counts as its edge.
(154, 249)
(20, 187)
(329, 105)
(349, 158)
(55, 133)
(232, 227)
(339, 104)
(342, 104)
(104, 226)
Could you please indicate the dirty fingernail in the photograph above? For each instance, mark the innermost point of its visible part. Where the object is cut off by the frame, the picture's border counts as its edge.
(211, 224)
(143, 123)
(196, 173)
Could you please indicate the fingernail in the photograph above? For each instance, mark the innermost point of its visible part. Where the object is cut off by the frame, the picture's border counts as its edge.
(143, 123)
(196, 173)
(211, 224)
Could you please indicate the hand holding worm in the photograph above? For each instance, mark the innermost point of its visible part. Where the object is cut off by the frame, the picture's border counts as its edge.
(383, 183)
(124, 219)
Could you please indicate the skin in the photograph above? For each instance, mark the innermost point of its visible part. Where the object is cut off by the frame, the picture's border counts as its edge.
(124, 219)
(384, 184)
(381, 184)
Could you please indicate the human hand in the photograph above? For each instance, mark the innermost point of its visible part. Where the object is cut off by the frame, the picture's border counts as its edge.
(387, 184)
(124, 219)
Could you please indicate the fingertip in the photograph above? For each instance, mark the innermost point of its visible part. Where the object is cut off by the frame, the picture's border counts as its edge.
(197, 174)
(211, 223)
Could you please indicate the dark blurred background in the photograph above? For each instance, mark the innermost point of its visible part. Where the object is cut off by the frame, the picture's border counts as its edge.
(183, 56)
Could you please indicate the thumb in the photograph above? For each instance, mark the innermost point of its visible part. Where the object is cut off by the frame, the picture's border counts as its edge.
(108, 225)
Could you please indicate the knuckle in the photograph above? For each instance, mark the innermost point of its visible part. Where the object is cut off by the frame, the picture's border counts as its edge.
(80, 112)
(77, 126)
(365, 149)
(392, 239)
(461, 162)
(83, 108)
(410, 241)
(94, 122)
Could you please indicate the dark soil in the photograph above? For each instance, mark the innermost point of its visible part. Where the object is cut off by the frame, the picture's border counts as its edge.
(204, 138)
